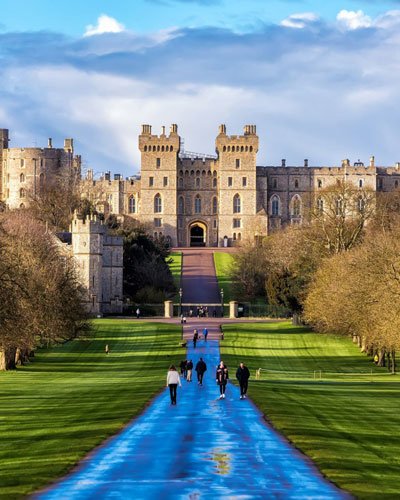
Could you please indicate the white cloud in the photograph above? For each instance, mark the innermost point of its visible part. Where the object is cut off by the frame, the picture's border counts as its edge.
(353, 20)
(105, 24)
(300, 20)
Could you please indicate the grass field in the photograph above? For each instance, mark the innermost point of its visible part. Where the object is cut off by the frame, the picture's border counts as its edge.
(347, 422)
(223, 263)
(73, 397)
(176, 270)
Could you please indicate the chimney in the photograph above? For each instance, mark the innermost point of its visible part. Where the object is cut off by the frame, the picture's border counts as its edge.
(146, 129)
(222, 129)
(69, 145)
(397, 166)
(283, 162)
(306, 162)
(163, 130)
(50, 143)
(174, 128)
(372, 161)
(346, 163)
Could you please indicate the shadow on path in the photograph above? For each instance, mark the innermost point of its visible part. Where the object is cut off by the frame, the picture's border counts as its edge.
(202, 448)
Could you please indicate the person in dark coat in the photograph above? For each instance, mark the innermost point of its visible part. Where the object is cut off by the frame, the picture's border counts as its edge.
(243, 375)
(201, 368)
(182, 366)
(189, 369)
(195, 338)
(222, 377)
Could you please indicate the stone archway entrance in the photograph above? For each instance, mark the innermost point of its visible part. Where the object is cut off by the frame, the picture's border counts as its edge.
(198, 234)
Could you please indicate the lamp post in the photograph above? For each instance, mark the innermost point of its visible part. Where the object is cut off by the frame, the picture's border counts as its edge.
(180, 302)
(222, 302)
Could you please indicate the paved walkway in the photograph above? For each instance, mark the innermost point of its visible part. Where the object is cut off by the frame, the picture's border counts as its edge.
(199, 282)
(202, 448)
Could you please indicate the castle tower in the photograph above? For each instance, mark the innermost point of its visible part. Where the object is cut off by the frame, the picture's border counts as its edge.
(3, 146)
(159, 162)
(237, 157)
(87, 247)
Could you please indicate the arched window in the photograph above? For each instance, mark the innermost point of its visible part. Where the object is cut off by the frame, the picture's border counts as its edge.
(197, 182)
(234, 236)
(157, 204)
(22, 193)
(41, 181)
(296, 183)
(214, 205)
(237, 204)
(360, 183)
(275, 206)
(296, 206)
(180, 182)
(22, 178)
(214, 182)
(181, 205)
(132, 204)
(320, 205)
(197, 204)
(239, 236)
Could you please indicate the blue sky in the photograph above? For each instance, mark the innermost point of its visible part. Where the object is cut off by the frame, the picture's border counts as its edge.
(320, 79)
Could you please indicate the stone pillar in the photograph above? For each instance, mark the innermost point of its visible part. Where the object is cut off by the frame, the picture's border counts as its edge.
(233, 309)
(168, 309)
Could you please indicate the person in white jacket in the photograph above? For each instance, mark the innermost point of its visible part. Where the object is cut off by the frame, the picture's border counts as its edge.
(173, 380)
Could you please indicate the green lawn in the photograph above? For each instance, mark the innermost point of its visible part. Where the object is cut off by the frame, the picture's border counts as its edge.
(176, 270)
(223, 263)
(71, 398)
(347, 422)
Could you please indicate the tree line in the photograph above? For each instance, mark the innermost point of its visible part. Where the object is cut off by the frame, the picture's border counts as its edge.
(339, 271)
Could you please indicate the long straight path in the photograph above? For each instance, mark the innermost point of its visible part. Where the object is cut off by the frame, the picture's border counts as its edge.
(199, 282)
(202, 448)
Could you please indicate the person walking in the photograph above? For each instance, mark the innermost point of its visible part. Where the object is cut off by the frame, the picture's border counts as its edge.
(189, 368)
(222, 377)
(195, 338)
(201, 368)
(243, 375)
(106, 349)
(137, 313)
(205, 333)
(182, 366)
(173, 380)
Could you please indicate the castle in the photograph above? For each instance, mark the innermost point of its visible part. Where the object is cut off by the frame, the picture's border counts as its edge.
(192, 199)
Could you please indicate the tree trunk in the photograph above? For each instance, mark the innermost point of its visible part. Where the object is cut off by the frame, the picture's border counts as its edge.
(364, 347)
(7, 359)
(393, 361)
(382, 358)
(358, 341)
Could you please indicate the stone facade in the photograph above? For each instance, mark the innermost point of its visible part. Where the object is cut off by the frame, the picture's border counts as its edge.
(196, 199)
(100, 262)
(24, 171)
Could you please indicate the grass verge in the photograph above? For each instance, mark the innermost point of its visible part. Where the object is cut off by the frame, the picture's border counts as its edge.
(71, 398)
(223, 263)
(346, 422)
(175, 267)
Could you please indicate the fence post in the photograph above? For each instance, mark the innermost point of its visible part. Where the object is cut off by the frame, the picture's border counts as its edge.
(233, 309)
(168, 309)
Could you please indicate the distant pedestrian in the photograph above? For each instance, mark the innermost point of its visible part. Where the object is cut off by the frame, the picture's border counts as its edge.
(201, 368)
(173, 380)
(205, 333)
(243, 375)
(222, 377)
(190, 313)
(195, 338)
(214, 313)
(182, 366)
(106, 349)
(376, 359)
(137, 313)
(189, 368)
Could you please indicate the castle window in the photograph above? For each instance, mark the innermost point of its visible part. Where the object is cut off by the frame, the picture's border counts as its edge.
(157, 222)
(154, 148)
(230, 181)
(145, 149)
(251, 149)
(296, 206)
(229, 148)
(181, 205)
(162, 148)
(360, 183)
(214, 205)
(274, 183)
(41, 162)
(215, 224)
(214, 182)
(180, 223)
(244, 181)
(247, 148)
(203, 172)
(180, 172)
(197, 172)
(158, 162)
(275, 206)
(234, 236)
(237, 162)
(242, 149)
(197, 204)
(239, 236)
(197, 182)
(171, 148)
(237, 204)
(151, 181)
(396, 184)
(165, 181)
(22, 178)
(180, 182)
(380, 184)
(22, 193)
(237, 223)
(320, 205)
(319, 183)
(192, 172)
(224, 149)
(132, 205)
(22, 163)
(296, 183)
(158, 148)
(157, 204)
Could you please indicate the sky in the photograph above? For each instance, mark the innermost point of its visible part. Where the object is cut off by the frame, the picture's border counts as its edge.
(319, 79)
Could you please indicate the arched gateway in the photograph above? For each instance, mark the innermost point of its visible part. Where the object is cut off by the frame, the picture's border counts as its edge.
(198, 234)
